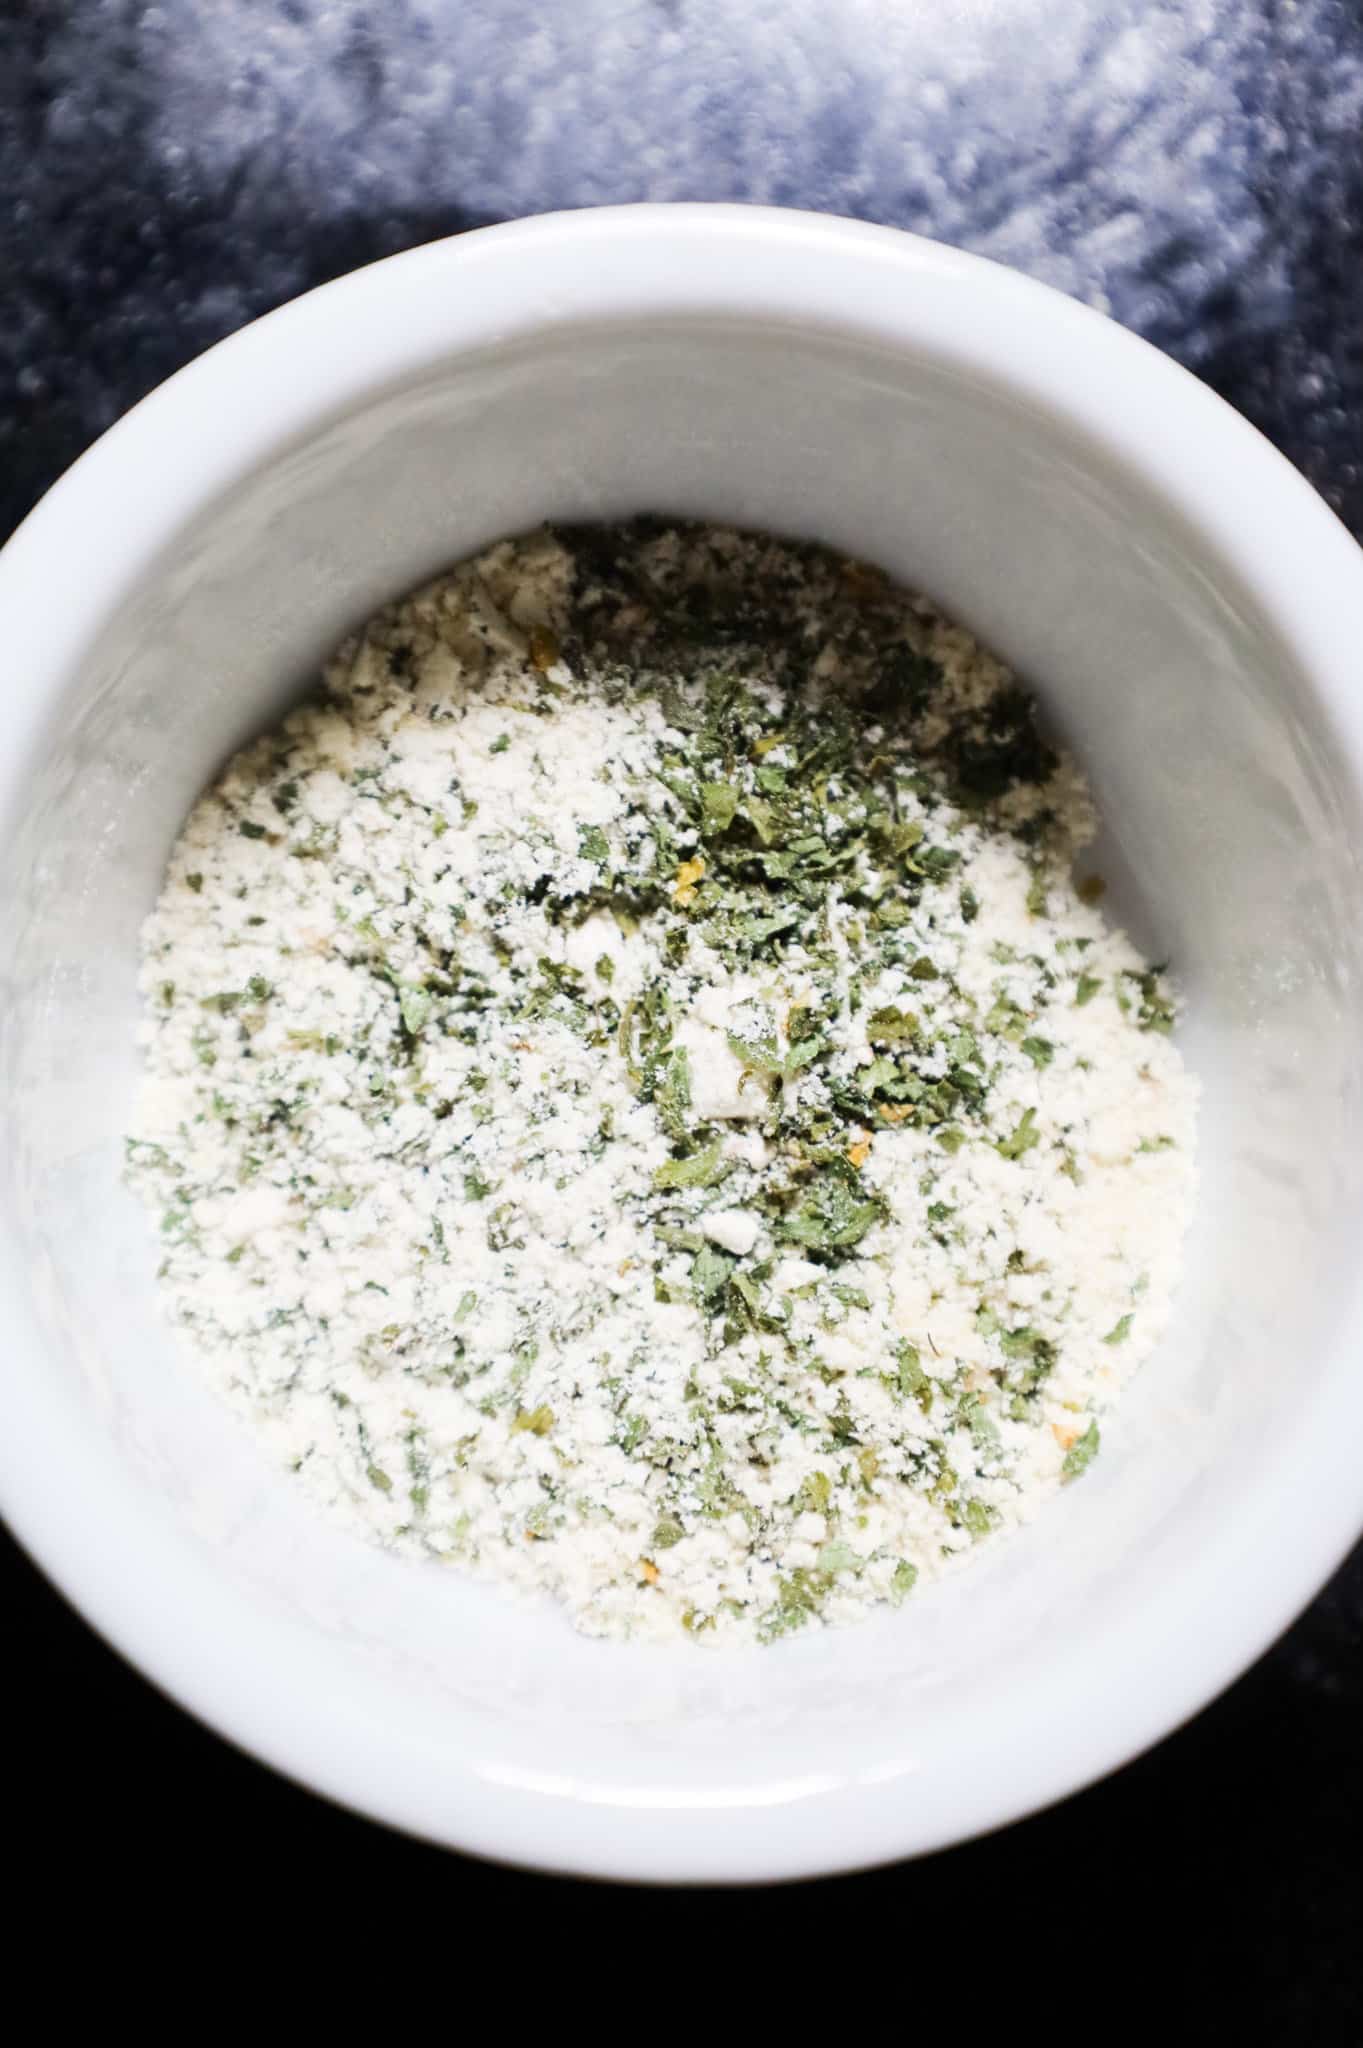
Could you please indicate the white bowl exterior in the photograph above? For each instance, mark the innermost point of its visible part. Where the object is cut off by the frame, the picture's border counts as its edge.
(1191, 614)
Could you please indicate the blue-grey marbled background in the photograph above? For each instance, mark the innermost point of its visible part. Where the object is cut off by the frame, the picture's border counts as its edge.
(1191, 166)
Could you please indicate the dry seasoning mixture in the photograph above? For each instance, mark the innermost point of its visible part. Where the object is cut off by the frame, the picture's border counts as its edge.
(637, 1104)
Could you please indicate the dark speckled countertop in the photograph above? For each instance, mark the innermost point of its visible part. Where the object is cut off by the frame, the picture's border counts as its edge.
(1195, 168)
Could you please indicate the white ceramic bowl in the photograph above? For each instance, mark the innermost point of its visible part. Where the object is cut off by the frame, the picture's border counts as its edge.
(1193, 616)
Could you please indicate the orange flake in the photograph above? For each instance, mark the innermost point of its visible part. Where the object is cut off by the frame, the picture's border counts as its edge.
(896, 1112)
(688, 875)
(1064, 1435)
(544, 648)
(859, 1153)
(649, 1570)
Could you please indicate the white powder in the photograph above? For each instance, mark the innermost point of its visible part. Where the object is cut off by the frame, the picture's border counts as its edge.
(636, 1104)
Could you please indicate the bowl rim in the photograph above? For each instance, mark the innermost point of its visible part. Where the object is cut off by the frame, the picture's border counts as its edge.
(238, 405)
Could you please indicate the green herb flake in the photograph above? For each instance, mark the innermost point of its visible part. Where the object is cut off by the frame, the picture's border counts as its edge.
(533, 1421)
(800, 1594)
(1081, 1453)
(890, 1026)
(912, 1381)
(978, 1518)
(710, 1272)
(832, 1217)
(415, 1005)
(704, 1169)
(763, 1055)
(1020, 1140)
(838, 1557)
(672, 1093)
(719, 807)
(1155, 1011)
(816, 1491)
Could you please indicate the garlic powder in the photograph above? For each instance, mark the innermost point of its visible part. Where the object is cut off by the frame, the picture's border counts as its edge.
(637, 1104)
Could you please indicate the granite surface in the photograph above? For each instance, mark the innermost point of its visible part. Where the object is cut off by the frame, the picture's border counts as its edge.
(169, 171)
